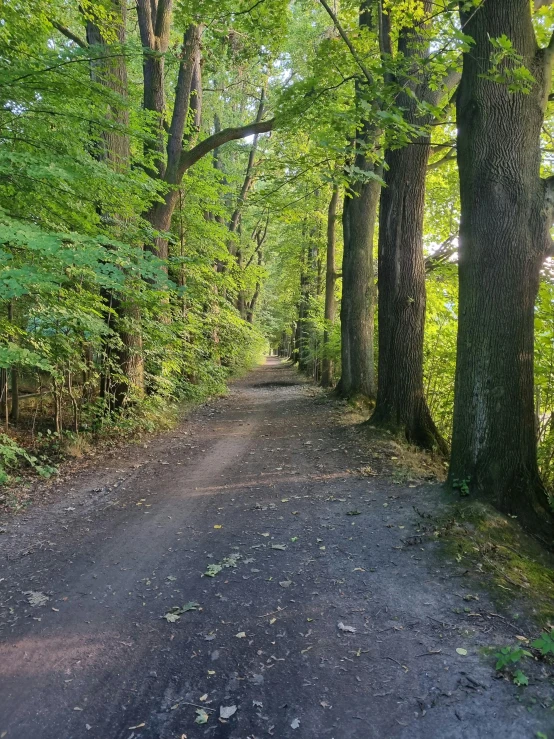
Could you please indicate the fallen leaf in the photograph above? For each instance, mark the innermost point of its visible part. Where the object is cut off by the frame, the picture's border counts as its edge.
(201, 716)
(227, 711)
(461, 651)
(281, 547)
(353, 513)
(218, 526)
(295, 723)
(190, 606)
(241, 635)
(204, 697)
(212, 570)
(285, 583)
(174, 614)
(346, 628)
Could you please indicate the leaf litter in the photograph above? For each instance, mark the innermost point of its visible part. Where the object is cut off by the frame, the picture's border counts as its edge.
(175, 613)
(227, 711)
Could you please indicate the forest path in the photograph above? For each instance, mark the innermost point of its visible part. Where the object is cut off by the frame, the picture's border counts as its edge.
(262, 476)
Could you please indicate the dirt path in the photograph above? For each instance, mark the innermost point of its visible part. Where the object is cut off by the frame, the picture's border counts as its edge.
(260, 480)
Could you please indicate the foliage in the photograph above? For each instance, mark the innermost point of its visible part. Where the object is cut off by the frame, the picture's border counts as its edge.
(545, 643)
(509, 656)
(13, 456)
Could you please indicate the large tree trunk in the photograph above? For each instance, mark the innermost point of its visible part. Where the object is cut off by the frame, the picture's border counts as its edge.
(401, 405)
(330, 282)
(504, 235)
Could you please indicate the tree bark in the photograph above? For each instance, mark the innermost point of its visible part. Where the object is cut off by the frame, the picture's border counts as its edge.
(330, 282)
(14, 412)
(504, 236)
(358, 289)
(4, 404)
(251, 306)
(358, 222)
(401, 405)
(154, 19)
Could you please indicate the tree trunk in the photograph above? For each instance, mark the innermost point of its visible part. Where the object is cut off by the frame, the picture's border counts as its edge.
(301, 326)
(358, 223)
(358, 290)
(330, 281)
(504, 235)
(14, 413)
(112, 73)
(4, 406)
(401, 405)
(251, 306)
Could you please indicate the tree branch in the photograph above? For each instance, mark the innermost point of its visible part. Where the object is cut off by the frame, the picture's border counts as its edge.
(347, 41)
(188, 158)
(442, 254)
(248, 175)
(446, 158)
(69, 34)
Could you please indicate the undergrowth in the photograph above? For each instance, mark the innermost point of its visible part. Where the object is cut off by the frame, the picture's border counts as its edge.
(30, 454)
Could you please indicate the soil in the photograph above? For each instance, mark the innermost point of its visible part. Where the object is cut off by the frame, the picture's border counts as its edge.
(327, 614)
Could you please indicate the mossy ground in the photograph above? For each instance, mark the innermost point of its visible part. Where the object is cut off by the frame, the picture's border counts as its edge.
(519, 572)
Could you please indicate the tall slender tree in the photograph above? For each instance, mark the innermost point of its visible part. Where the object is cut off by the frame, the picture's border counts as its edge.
(358, 220)
(330, 282)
